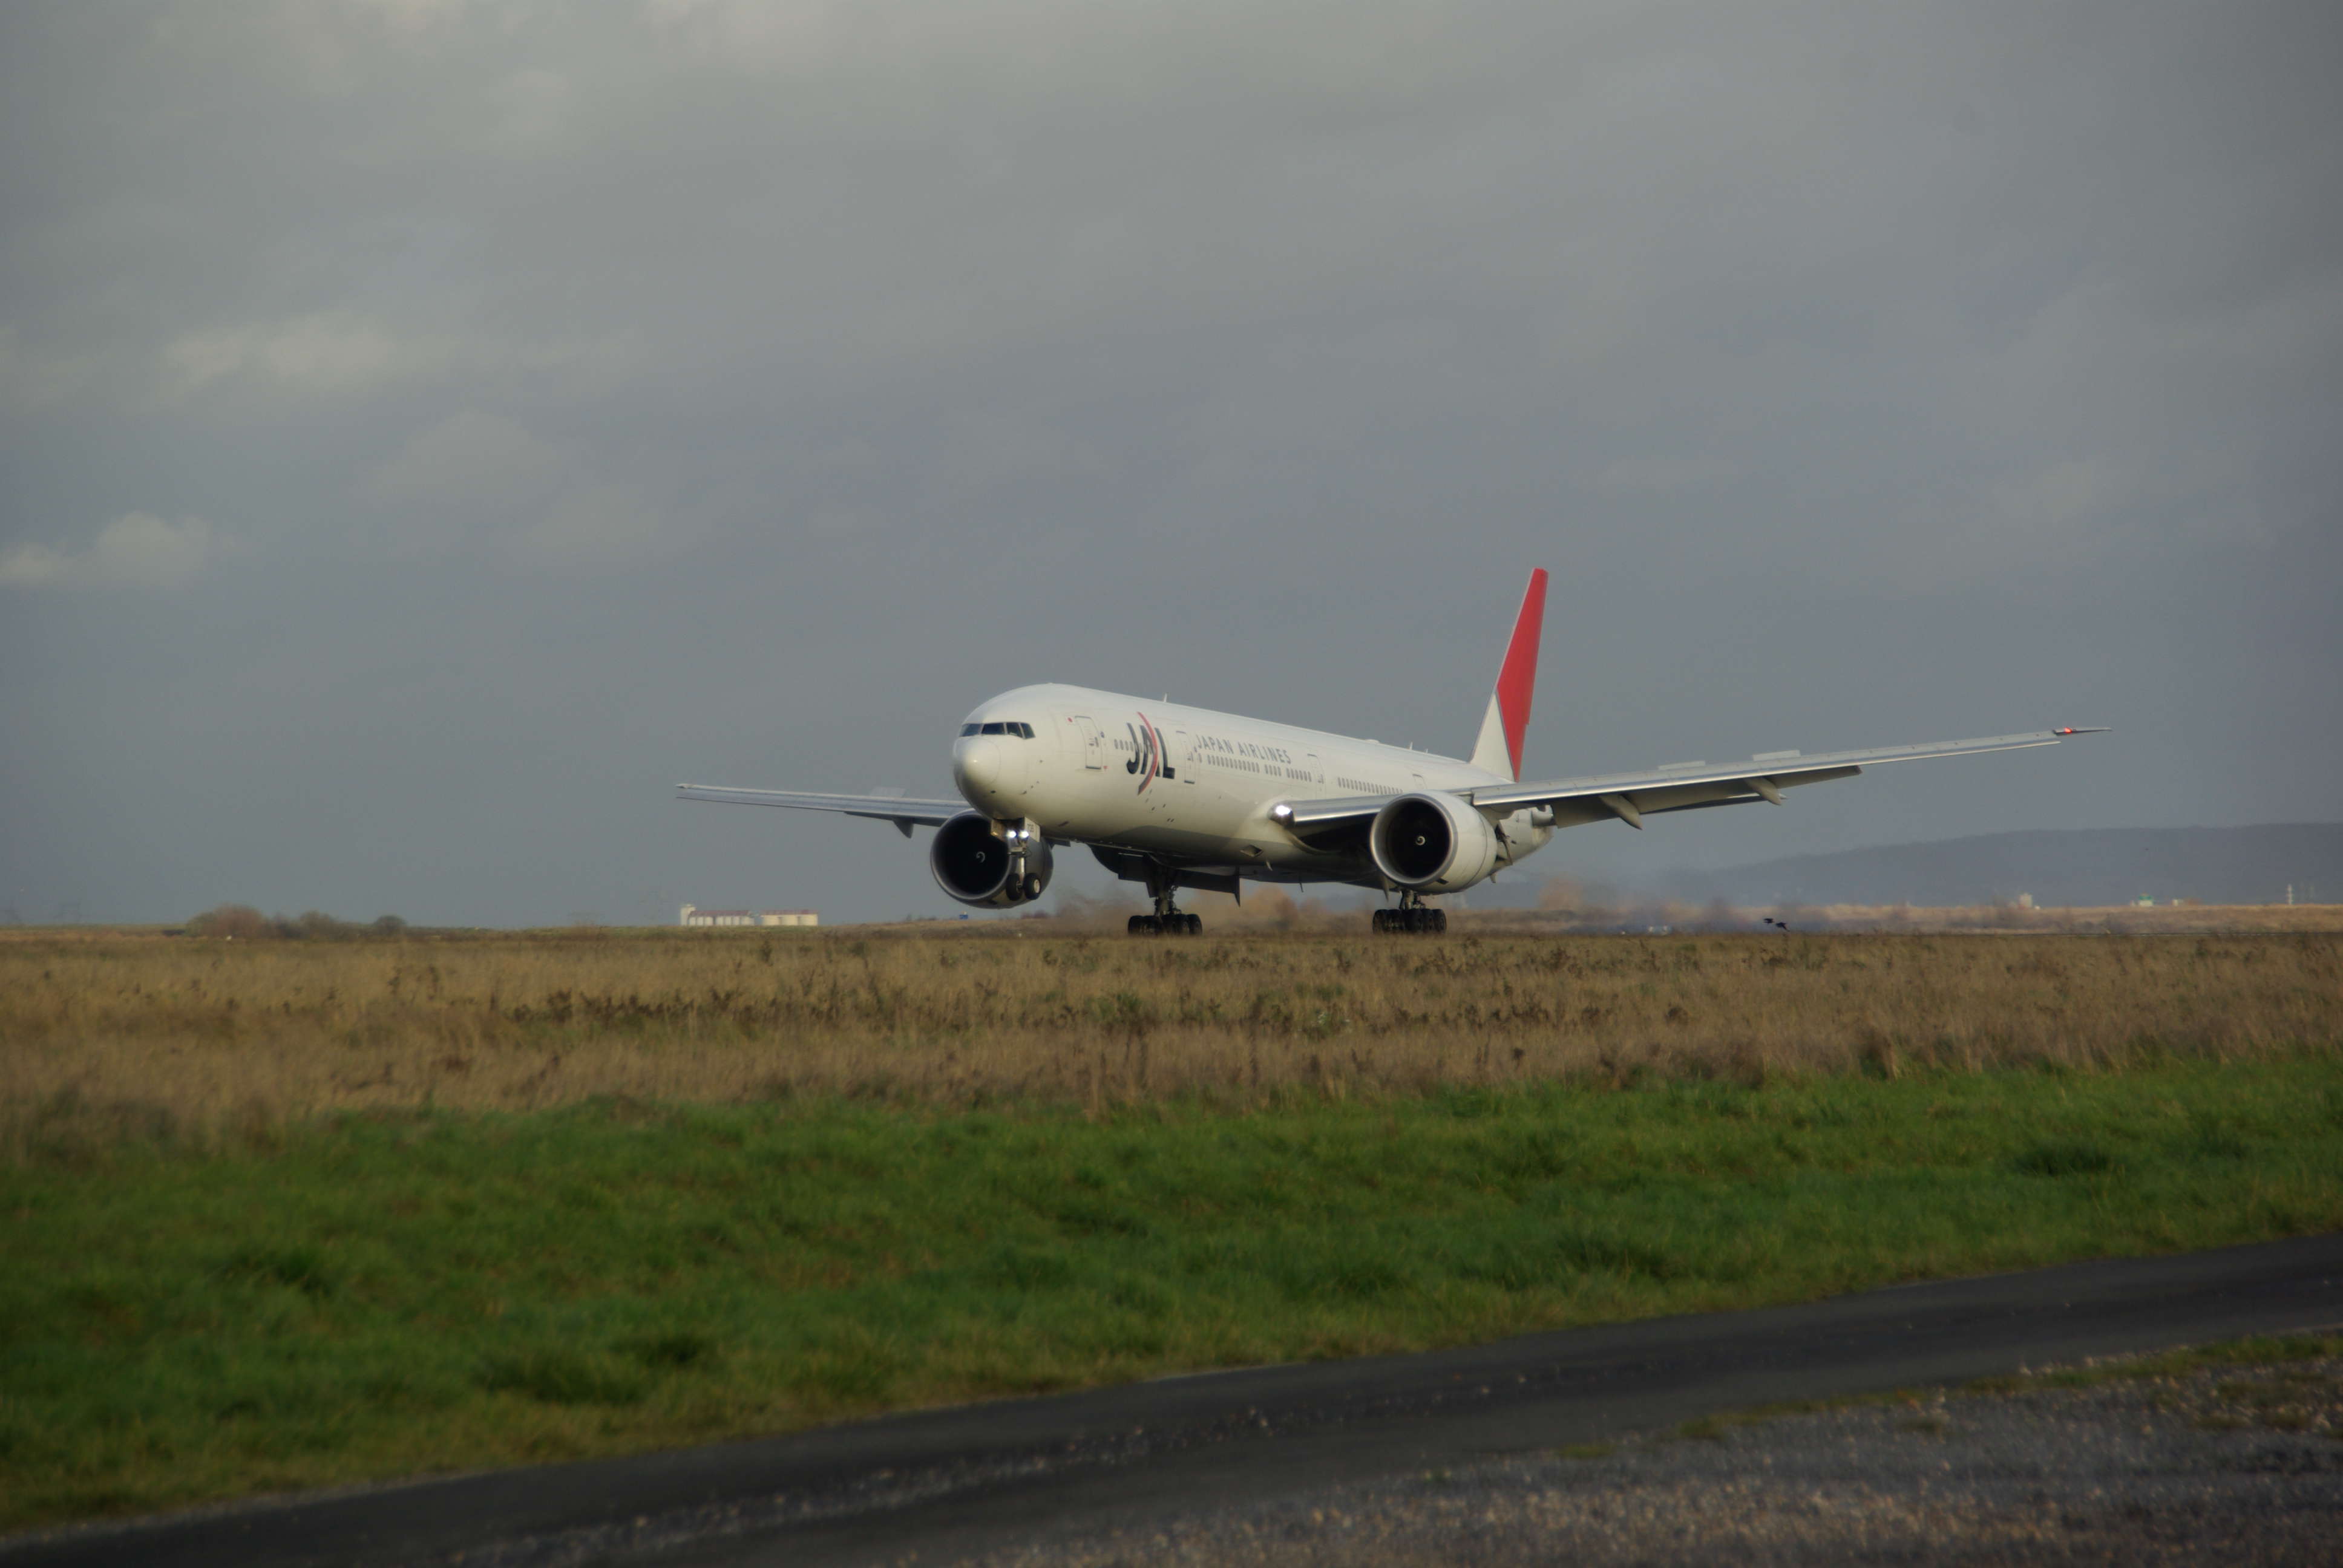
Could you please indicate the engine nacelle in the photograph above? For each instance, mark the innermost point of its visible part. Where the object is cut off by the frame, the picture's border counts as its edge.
(990, 864)
(1433, 843)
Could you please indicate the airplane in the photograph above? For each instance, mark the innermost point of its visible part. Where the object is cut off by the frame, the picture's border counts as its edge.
(1175, 797)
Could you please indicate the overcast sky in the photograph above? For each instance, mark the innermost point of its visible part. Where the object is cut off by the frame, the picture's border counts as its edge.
(429, 430)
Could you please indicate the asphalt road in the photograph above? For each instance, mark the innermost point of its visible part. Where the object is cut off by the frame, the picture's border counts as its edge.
(950, 1483)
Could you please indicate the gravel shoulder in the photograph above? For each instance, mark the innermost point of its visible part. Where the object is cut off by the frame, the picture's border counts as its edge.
(2215, 1465)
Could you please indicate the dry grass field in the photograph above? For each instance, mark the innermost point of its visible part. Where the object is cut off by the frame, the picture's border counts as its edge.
(1563, 907)
(114, 1034)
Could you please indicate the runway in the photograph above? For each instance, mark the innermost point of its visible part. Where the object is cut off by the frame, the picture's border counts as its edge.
(946, 1484)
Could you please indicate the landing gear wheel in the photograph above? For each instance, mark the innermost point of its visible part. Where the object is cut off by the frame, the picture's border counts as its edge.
(1033, 885)
(1163, 887)
(1440, 922)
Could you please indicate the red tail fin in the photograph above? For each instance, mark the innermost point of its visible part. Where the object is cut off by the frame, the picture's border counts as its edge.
(1507, 721)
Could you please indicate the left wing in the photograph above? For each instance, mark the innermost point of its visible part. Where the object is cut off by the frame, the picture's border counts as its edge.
(1632, 797)
(905, 814)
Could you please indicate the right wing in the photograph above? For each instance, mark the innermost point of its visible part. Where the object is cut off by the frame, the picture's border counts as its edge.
(1630, 797)
(905, 814)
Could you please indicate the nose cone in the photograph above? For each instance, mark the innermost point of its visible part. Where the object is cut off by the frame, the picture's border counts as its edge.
(976, 768)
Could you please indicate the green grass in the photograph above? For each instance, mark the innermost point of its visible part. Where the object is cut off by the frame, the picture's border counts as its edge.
(377, 1297)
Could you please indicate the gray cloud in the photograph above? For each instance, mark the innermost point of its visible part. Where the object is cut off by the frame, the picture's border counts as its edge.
(544, 500)
(610, 393)
(134, 551)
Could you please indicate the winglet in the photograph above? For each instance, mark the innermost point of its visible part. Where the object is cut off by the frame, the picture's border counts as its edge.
(1499, 747)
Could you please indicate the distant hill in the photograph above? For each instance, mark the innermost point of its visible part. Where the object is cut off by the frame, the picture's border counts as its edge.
(2093, 866)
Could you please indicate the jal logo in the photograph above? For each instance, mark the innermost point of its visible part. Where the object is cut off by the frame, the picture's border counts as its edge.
(1146, 753)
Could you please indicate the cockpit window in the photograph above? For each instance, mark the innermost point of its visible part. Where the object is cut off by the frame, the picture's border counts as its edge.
(995, 727)
(970, 729)
(1024, 730)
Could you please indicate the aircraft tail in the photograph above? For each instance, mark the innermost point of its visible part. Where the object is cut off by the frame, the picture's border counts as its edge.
(1499, 747)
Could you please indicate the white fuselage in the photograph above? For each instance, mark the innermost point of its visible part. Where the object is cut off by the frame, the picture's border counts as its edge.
(1190, 784)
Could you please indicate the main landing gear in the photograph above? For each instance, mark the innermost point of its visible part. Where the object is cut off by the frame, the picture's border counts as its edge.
(1171, 925)
(1163, 885)
(1413, 917)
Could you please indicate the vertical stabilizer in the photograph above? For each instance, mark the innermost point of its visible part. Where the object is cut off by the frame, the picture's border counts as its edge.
(1499, 748)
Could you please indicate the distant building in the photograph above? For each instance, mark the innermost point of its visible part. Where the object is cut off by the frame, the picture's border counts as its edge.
(693, 915)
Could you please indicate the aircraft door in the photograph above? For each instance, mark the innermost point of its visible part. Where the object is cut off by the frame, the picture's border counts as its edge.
(1093, 740)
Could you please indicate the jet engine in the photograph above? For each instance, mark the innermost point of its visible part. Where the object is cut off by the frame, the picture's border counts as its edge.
(1433, 843)
(990, 864)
